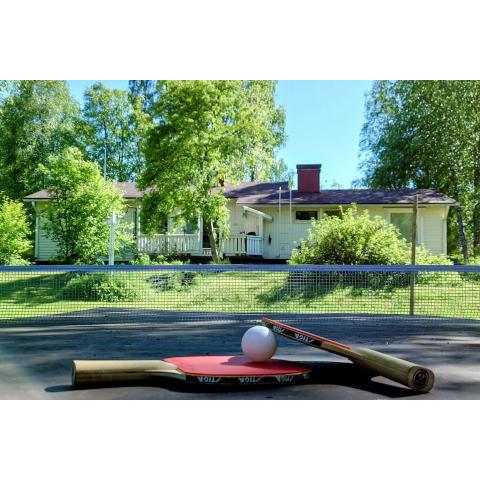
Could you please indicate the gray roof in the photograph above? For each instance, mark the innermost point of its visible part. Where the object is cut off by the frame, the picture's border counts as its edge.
(129, 190)
(266, 193)
(262, 193)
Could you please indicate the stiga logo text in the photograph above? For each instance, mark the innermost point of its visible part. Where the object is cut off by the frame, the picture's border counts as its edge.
(208, 379)
(284, 378)
(303, 338)
(278, 329)
(248, 379)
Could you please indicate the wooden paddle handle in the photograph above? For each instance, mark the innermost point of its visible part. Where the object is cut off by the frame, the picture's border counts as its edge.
(414, 376)
(409, 374)
(101, 371)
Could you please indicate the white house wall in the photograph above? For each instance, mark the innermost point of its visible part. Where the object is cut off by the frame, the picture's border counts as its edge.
(242, 221)
(285, 233)
(434, 226)
(46, 248)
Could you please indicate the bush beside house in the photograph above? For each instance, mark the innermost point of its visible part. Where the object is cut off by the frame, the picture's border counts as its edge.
(14, 232)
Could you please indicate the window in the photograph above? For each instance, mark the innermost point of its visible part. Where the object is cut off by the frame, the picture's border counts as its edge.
(332, 213)
(306, 215)
(403, 221)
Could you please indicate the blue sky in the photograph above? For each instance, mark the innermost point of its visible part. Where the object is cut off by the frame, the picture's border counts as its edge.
(324, 119)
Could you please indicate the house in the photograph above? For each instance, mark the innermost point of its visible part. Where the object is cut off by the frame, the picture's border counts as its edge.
(268, 220)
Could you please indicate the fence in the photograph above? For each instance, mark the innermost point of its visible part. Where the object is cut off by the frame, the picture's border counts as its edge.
(41, 292)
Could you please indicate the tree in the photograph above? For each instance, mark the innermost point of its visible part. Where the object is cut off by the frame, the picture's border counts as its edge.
(426, 134)
(262, 130)
(146, 90)
(112, 132)
(3, 85)
(207, 132)
(82, 201)
(37, 120)
(14, 233)
(281, 173)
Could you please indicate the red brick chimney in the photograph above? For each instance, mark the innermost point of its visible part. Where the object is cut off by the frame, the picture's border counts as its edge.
(309, 177)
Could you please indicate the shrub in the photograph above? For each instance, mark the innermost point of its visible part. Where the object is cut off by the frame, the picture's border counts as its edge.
(165, 281)
(425, 257)
(106, 287)
(351, 239)
(146, 259)
(142, 259)
(356, 239)
(473, 276)
(14, 231)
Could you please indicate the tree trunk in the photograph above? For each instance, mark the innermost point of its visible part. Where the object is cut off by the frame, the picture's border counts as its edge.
(476, 210)
(461, 232)
(216, 253)
(460, 223)
(476, 228)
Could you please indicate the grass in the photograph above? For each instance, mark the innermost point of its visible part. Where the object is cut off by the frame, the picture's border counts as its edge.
(40, 295)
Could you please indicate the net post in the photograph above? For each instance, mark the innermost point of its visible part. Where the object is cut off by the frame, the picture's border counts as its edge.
(413, 255)
(111, 242)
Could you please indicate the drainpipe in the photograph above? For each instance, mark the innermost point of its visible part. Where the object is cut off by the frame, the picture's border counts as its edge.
(279, 203)
(37, 231)
(111, 245)
(290, 192)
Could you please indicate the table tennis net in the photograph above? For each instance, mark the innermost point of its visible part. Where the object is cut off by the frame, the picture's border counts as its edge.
(127, 292)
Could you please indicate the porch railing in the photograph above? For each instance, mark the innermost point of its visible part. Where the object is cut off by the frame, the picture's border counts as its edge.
(168, 243)
(254, 245)
(243, 245)
(189, 244)
(235, 245)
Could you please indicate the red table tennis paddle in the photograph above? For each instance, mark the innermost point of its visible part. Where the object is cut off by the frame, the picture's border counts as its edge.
(237, 370)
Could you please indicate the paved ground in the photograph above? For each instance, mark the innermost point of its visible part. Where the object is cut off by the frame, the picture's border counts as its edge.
(35, 358)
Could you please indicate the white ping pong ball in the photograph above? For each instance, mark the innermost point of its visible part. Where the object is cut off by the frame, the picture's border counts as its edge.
(259, 344)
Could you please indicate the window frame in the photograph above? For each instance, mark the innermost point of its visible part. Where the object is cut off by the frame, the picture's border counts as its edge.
(305, 210)
(390, 210)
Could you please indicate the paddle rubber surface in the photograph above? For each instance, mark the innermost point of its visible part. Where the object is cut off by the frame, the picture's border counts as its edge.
(235, 366)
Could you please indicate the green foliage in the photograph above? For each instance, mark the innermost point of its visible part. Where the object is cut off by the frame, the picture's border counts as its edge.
(37, 119)
(146, 259)
(142, 259)
(425, 257)
(105, 287)
(425, 134)
(14, 233)
(113, 128)
(352, 239)
(146, 91)
(165, 281)
(472, 276)
(206, 132)
(281, 173)
(474, 260)
(82, 201)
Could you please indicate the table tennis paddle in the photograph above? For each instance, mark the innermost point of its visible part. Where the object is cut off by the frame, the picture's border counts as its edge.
(407, 373)
(201, 370)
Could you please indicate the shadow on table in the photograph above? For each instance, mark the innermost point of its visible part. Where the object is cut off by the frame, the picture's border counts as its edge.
(323, 373)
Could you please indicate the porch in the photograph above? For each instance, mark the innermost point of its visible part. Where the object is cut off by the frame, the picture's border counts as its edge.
(191, 244)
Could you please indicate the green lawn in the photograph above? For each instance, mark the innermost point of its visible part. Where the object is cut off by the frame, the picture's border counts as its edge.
(39, 294)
